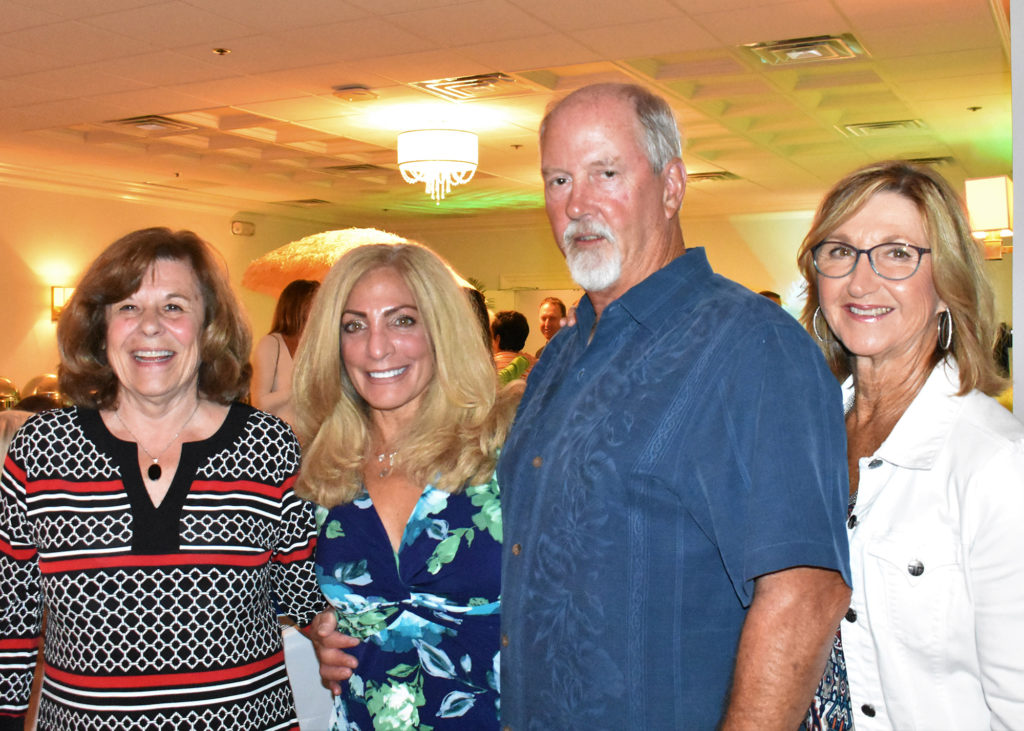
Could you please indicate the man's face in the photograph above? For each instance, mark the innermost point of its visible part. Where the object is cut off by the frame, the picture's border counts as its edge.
(550, 319)
(606, 206)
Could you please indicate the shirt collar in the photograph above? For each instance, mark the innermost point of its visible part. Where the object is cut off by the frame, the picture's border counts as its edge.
(645, 301)
(919, 435)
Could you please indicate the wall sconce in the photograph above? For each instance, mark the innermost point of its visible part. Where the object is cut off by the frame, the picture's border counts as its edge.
(990, 208)
(440, 158)
(59, 297)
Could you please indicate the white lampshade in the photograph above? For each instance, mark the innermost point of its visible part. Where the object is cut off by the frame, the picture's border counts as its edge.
(990, 209)
(440, 158)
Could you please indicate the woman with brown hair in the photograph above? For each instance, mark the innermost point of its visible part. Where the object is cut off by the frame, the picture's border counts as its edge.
(154, 521)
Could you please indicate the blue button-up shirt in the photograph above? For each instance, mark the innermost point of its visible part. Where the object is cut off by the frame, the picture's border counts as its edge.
(694, 444)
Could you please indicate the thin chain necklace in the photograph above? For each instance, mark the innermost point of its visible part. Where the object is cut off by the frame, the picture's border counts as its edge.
(154, 472)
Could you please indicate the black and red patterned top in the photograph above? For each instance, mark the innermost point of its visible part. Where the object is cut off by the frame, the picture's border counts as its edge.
(158, 617)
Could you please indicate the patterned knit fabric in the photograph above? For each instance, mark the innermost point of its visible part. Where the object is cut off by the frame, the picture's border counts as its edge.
(158, 617)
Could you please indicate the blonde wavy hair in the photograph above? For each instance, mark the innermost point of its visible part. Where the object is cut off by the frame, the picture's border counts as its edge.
(463, 418)
(957, 272)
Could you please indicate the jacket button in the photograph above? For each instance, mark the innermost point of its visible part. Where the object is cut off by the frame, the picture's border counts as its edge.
(875, 463)
(851, 615)
(851, 521)
(868, 710)
(915, 568)
(516, 549)
(504, 640)
(538, 461)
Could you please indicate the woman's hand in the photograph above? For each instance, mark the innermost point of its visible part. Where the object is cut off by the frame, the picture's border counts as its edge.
(329, 644)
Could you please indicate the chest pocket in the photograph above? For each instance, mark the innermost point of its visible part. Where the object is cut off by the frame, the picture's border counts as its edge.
(922, 586)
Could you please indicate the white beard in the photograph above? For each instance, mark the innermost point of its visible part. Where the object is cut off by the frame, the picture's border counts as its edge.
(595, 269)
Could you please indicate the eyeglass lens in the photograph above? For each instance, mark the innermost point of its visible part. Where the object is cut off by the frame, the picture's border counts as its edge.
(892, 261)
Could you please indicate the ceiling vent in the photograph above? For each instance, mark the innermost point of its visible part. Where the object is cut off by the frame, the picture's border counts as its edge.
(877, 129)
(716, 176)
(153, 124)
(361, 168)
(481, 86)
(805, 50)
(305, 203)
(933, 161)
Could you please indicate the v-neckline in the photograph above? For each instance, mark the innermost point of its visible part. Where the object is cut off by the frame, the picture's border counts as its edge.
(156, 529)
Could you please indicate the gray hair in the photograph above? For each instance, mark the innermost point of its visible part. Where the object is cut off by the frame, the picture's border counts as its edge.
(660, 141)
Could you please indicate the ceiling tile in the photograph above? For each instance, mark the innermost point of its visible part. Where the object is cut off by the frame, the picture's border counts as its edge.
(664, 35)
(170, 24)
(75, 41)
(470, 22)
(596, 13)
(535, 52)
(774, 22)
(272, 16)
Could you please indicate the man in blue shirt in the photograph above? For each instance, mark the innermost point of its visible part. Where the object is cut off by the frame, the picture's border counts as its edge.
(675, 485)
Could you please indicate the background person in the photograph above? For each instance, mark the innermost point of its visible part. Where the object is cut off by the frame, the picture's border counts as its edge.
(401, 422)
(272, 357)
(509, 330)
(551, 313)
(934, 637)
(155, 520)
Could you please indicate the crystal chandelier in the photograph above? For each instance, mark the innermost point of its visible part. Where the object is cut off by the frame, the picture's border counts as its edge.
(440, 158)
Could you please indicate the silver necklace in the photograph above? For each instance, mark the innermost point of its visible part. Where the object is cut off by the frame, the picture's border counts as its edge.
(386, 460)
(153, 472)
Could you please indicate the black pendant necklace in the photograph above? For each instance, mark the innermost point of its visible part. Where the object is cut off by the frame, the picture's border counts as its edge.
(153, 472)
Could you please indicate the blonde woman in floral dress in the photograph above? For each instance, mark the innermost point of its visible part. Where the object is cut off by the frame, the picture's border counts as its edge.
(401, 421)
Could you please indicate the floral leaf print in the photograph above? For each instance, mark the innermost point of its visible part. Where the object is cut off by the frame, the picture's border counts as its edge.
(394, 706)
(436, 662)
(321, 513)
(367, 624)
(487, 497)
(334, 530)
(354, 573)
(402, 671)
(494, 675)
(446, 549)
(456, 704)
(467, 664)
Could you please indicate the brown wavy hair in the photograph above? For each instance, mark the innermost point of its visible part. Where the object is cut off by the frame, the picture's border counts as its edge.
(957, 271)
(85, 373)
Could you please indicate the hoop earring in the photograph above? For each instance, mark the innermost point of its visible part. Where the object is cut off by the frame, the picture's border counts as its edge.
(814, 325)
(945, 330)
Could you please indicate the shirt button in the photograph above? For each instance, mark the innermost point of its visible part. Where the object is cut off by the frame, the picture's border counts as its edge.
(504, 640)
(506, 728)
(868, 710)
(851, 522)
(516, 549)
(851, 615)
(875, 463)
(538, 461)
(915, 568)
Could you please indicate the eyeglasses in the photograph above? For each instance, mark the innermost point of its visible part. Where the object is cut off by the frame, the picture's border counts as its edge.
(835, 259)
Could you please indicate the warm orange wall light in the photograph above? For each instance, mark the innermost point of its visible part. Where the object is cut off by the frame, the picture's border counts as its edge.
(59, 297)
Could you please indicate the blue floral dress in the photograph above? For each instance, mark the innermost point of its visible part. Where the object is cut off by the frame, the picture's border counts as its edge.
(428, 616)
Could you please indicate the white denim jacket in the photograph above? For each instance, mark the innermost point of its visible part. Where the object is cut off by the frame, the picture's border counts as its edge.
(934, 638)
